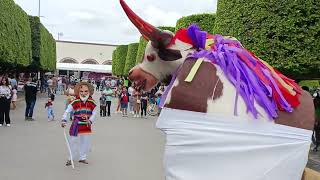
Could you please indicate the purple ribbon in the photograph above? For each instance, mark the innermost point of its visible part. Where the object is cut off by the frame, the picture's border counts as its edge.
(225, 53)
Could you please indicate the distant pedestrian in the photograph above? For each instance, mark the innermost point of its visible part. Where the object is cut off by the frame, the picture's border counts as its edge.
(103, 106)
(108, 92)
(49, 107)
(30, 89)
(130, 91)
(144, 103)
(118, 92)
(316, 129)
(124, 100)
(13, 81)
(5, 100)
(14, 97)
(50, 86)
(136, 102)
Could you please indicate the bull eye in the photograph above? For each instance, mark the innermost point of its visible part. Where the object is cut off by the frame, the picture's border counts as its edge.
(151, 57)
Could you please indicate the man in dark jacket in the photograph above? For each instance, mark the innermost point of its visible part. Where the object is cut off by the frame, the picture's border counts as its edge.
(30, 89)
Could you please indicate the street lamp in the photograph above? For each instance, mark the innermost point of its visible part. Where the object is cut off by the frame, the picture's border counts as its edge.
(60, 34)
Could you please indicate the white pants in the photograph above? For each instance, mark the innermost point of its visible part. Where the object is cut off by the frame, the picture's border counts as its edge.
(79, 144)
(212, 147)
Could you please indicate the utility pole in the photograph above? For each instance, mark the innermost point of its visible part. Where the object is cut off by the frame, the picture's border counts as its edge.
(39, 8)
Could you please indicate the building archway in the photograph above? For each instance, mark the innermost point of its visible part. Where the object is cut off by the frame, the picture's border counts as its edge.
(90, 61)
(69, 60)
(107, 62)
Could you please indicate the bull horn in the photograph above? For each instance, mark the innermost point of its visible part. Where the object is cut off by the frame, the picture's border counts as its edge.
(157, 36)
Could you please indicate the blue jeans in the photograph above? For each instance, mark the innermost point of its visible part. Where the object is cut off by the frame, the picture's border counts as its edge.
(50, 113)
(29, 108)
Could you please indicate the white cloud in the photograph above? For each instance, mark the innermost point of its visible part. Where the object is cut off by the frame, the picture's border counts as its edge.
(104, 20)
(159, 17)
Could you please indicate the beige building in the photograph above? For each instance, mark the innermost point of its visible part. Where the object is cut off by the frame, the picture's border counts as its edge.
(82, 57)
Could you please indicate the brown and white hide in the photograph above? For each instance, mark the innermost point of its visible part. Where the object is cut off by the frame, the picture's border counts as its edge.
(211, 92)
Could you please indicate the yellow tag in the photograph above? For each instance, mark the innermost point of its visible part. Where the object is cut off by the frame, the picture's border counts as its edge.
(209, 42)
(194, 70)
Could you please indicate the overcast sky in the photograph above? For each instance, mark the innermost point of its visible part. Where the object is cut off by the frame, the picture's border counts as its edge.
(103, 21)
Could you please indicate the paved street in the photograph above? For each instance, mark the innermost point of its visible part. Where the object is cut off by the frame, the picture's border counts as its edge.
(122, 148)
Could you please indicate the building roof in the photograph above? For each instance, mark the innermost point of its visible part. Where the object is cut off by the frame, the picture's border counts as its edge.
(85, 67)
(88, 43)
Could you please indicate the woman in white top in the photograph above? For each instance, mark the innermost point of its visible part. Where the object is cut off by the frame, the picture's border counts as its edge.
(5, 100)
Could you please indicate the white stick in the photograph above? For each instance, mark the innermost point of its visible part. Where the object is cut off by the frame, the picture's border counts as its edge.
(68, 145)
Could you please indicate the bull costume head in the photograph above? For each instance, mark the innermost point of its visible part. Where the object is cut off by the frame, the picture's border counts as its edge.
(164, 52)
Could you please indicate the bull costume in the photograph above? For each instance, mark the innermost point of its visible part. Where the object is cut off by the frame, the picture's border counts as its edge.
(226, 114)
(84, 110)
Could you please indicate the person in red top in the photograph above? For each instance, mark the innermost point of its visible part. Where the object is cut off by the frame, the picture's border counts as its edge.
(124, 99)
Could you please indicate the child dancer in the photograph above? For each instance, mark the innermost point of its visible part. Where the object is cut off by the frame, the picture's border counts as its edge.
(49, 107)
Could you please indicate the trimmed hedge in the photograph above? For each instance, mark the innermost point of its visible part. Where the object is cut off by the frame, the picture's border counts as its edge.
(120, 55)
(140, 52)
(131, 57)
(169, 28)
(43, 46)
(205, 21)
(114, 62)
(143, 43)
(15, 39)
(310, 83)
(35, 37)
(48, 49)
(284, 33)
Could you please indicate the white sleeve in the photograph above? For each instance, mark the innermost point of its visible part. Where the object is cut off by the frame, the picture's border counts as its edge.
(65, 114)
(94, 113)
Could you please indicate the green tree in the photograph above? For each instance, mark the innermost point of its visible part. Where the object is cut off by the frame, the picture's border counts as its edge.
(284, 33)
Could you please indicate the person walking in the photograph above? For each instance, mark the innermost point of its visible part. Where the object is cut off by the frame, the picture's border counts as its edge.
(5, 100)
(130, 91)
(136, 102)
(50, 86)
(84, 112)
(124, 99)
(103, 105)
(316, 129)
(14, 97)
(30, 89)
(108, 92)
(49, 107)
(144, 103)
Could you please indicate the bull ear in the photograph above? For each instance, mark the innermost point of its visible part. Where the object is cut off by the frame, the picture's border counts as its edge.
(169, 54)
